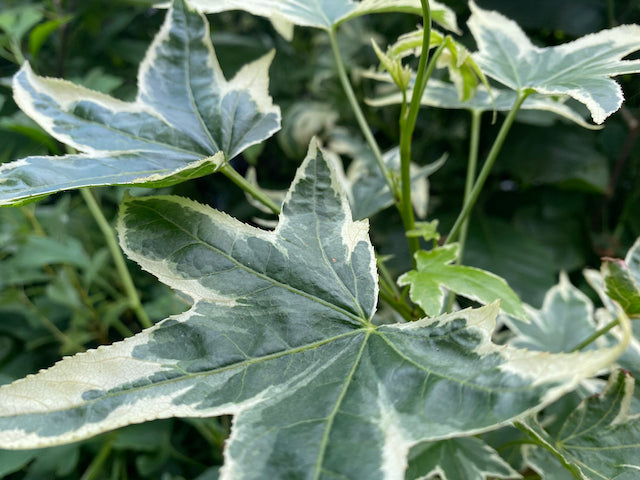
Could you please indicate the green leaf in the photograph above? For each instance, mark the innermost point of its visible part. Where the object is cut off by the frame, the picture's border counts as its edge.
(434, 273)
(621, 286)
(457, 459)
(280, 336)
(445, 95)
(327, 14)
(580, 69)
(41, 32)
(622, 280)
(186, 121)
(601, 438)
(565, 320)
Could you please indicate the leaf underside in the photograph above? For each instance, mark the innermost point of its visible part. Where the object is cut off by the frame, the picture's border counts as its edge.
(280, 335)
(327, 14)
(441, 94)
(186, 121)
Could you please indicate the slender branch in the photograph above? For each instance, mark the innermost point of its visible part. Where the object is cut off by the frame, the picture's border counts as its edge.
(472, 164)
(118, 258)
(96, 467)
(398, 305)
(385, 276)
(486, 168)
(362, 122)
(408, 118)
(252, 190)
(592, 338)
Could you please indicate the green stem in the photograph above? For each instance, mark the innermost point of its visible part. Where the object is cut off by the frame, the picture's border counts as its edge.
(486, 168)
(118, 258)
(362, 122)
(408, 118)
(256, 193)
(472, 164)
(385, 275)
(97, 464)
(592, 338)
(398, 305)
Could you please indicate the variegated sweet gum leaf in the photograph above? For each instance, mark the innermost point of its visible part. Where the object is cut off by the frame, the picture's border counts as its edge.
(326, 14)
(441, 94)
(186, 121)
(581, 69)
(601, 438)
(280, 335)
(564, 321)
(457, 459)
(435, 271)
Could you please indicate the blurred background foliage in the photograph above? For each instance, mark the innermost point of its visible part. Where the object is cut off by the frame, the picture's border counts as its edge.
(560, 197)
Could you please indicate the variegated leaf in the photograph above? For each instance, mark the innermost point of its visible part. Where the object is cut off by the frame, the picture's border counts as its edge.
(434, 272)
(565, 320)
(600, 440)
(441, 94)
(186, 121)
(457, 459)
(581, 69)
(326, 14)
(281, 336)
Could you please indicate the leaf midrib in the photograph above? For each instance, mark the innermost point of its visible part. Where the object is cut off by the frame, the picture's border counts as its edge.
(190, 375)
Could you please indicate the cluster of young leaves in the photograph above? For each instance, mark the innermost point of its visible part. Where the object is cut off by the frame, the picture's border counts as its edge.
(284, 316)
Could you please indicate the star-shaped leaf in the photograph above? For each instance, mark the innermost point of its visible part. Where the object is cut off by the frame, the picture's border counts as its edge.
(326, 14)
(601, 438)
(186, 121)
(281, 336)
(581, 69)
(565, 320)
(435, 271)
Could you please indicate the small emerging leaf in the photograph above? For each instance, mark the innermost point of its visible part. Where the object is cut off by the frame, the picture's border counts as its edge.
(463, 70)
(434, 273)
(622, 280)
(581, 69)
(621, 286)
(426, 230)
(186, 122)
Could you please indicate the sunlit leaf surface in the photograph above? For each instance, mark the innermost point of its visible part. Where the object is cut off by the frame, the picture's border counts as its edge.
(186, 121)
